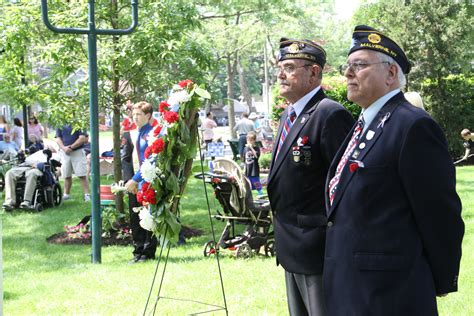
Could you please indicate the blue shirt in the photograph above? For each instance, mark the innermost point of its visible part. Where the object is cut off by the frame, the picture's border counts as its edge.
(8, 147)
(68, 138)
(141, 144)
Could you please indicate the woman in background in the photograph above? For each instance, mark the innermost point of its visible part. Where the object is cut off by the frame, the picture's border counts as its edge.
(17, 132)
(4, 128)
(35, 128)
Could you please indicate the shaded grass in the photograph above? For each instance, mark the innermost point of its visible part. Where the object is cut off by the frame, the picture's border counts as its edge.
(47, 279)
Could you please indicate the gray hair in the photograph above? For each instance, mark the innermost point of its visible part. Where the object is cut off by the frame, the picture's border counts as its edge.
(402, 80)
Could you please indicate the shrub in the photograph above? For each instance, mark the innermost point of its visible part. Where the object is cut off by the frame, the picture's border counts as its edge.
(450, 101)
(336, 89)
(265, 160)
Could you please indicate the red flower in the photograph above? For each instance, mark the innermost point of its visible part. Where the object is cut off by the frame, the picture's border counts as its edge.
(164, 106)
(353, 167)
(171, 117)
(148, 152)
(304, 141)
(185, 83)
(158, 146)
(147, 194)
(355, 164)
(139, 197)
(157, 130)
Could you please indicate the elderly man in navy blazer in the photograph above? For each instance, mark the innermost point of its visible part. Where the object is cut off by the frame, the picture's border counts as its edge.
(311, 130)
(393, 242)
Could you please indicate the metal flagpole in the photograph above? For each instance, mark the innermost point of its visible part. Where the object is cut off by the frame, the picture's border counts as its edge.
(92, 33)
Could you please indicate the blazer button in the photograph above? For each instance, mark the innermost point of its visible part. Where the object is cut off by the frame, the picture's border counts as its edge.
(330, 224)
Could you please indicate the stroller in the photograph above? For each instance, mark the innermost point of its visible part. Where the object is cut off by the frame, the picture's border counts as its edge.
(233, 191)
(48, 191)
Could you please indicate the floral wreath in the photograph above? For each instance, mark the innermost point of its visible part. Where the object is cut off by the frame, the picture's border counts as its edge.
(168, 161)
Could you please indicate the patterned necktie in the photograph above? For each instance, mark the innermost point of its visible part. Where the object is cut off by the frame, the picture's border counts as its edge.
(286, 128)
(345, 157)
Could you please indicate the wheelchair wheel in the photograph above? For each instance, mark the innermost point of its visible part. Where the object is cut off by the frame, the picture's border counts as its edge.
(38, 207)
(209, 248)
(57, 195)
(2, 182)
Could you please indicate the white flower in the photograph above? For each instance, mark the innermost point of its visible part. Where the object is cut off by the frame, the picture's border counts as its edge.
(146, 219)
(149, 171)
(179, 97)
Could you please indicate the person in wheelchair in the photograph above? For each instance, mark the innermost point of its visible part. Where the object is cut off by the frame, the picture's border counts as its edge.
(31, 168)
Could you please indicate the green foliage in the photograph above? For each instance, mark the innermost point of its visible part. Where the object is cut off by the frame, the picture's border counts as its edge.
(455, 114)
(111, 218)
(336, 89)
(265, 160)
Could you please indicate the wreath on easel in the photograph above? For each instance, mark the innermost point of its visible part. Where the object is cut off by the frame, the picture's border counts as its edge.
(168, 161)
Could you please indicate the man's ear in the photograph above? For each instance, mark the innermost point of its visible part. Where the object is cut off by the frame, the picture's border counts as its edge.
(392, 74)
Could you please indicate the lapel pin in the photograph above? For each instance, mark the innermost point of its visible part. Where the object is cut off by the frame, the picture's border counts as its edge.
(362, 145)
(303, 119)
(383, 120)
(370, 134)
(355, 154)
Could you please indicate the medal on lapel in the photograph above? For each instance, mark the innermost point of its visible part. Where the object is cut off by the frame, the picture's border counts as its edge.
(306, 155)
(370, 134)
(296, 153)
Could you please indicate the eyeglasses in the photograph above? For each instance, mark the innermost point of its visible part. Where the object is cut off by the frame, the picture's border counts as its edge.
(288, 69)
(358, 66)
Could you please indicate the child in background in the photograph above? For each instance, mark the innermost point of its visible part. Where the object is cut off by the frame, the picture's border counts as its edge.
(252, 169)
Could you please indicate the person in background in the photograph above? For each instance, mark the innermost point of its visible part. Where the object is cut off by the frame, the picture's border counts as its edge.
(4, 128)
(144, 242)
(252, 168)
(207, 126)
(468, 139)
(35, 128)
(242, 128)
(394, 232)
(16, 132)
(258, 126)
(415, 99)
(31, 169)
(7, 146)
(73, 159)
(311, 130)
(35, 144)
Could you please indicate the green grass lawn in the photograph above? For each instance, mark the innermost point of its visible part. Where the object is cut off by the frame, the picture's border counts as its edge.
(45, 279)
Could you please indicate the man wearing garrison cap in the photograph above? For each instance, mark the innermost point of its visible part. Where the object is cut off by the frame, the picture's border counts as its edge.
(311, 130)
(393, 241)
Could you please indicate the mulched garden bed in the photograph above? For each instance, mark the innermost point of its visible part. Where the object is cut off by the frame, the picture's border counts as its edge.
(65, 238)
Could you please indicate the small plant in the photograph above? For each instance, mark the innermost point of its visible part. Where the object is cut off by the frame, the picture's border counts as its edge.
(80, 231)
(124, 233)
(265, 160)
(111, 219)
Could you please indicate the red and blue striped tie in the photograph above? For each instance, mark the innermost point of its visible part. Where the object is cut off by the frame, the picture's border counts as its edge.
(345, 157)
(286, 128)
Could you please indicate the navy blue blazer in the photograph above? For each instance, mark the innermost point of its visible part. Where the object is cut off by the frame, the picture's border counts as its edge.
(394, 229)
(297, 180)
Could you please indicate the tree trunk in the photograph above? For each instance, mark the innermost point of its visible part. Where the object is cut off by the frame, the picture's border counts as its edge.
(243, 86)
(117, 102)
(230, 97)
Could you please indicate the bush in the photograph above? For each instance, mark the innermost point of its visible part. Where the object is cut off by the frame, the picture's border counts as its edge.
(265, 160)
(336, 89)
(450, 101)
